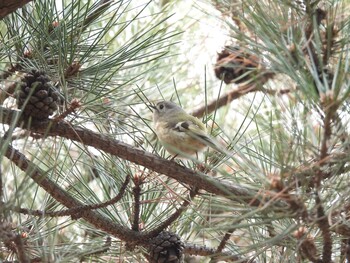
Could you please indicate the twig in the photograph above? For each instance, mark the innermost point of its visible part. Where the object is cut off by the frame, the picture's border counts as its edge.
(345, 251)
(75, 104)
(136, 190)
(7, 91)
(307, 245)
(224, 240)
(21, 253)
(225, 99)
(330, 108)
(174, 216)
(103, 6)
(211, 252)
(1, 193)
(324, 227)
(76, 212)
(326, 134)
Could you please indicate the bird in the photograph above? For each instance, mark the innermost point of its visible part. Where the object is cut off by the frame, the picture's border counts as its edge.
(180, 133)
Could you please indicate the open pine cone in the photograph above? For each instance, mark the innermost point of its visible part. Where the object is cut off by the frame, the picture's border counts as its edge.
(166, 248)
(235, 65)
(37, 97)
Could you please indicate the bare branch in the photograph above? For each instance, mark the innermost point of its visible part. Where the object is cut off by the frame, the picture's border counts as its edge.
(143, 158)
(234, 94)
(75, 212)
(211, 252)
(9, 6)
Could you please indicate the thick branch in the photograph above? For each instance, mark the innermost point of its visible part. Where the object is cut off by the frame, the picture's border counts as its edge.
(140, 157)
(9, 6)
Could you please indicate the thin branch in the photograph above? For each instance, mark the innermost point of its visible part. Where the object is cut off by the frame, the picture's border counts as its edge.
(21, 253)
(307, 245)
(224, 240)
(242, 90)
(76, 212)
(326, 134)
(326, 234)
(345, 250)
(174, 216)
(7, 90)
(74, 104)
(136, 190)
(102, 7)
(1, 193)
(211, 252)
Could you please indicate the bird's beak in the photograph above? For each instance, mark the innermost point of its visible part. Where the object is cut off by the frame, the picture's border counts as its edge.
(152, 107)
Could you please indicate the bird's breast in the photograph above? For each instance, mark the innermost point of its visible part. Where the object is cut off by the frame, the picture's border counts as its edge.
(177, 142)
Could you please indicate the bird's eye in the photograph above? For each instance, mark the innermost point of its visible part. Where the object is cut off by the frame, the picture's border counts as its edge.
(161, 106)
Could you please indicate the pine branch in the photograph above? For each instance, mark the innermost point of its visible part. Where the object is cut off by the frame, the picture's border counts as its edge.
(76, 212)
(9, 6)
(224, 240)
(211, 252)
(21, 253)
(243, 89)
(67, 200)
(6, 91)
(129, 236)
(322, 221)
(140, 157)
(345, 250)
(102, 7)
(136, 190)
(174, 216)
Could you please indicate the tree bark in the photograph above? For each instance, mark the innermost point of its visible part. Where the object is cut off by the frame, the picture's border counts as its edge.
(9, 6)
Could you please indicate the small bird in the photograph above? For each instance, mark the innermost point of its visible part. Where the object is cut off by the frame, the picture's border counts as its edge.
(180, 133)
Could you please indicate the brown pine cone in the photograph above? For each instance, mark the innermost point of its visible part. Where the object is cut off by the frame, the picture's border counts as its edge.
(234, 65)
(166, 247)
(37, 97)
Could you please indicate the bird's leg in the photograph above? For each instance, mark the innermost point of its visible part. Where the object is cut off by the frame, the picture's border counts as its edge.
(199, 166)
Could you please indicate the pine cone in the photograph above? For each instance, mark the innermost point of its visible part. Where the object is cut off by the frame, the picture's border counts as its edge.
(38, 96)
(233, 65)
(166, 247)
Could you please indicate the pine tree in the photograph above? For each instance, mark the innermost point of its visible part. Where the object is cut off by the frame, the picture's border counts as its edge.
(83, 177)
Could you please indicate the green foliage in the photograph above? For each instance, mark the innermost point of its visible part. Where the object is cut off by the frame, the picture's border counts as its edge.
(288, 132)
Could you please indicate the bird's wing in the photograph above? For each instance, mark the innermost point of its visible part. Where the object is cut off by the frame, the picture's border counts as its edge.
(196, 130)
(189, 126)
